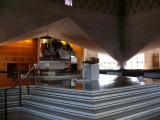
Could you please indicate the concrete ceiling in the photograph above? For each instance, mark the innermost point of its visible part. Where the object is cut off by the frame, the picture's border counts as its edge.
(26, 19)
(152, 45)
(65, 29)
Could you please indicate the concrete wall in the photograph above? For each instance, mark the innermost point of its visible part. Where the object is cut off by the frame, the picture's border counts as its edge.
(141, 29)
(19, 18)
(23, 53)
(148, 60)
(27, 18)
(89, 53)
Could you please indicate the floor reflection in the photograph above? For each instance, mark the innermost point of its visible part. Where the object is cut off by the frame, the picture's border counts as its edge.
(112, 81)
(104, 82)
(107, 81)
(11, 80)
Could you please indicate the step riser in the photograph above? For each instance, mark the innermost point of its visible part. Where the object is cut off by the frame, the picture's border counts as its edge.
(93, 93)
(11, 109)
(127, 112)
(144, 115)
(57, 104)
(91, 115)
(150, 94)
(106, 105)
(93, 99)
(43, 115)
(57, 111)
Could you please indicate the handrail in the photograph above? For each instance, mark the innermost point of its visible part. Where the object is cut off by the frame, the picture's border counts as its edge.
(28, 72)
(20, 92)
(5, 92)
(32, 68)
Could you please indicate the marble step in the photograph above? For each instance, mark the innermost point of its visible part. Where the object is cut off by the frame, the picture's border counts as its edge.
(119, 112)
(94, 99)
(12, 102)
(127, 100)
(48, 100)
(11, 109)
(125, 95)
(123, 89)
(10, 106)
(94, 93)
(14, 91)
(128, 110)
(91, 106)
(44, 115)
(61, 112)
(84, 109)
(56, 77)
(12, 96)
(147, 114)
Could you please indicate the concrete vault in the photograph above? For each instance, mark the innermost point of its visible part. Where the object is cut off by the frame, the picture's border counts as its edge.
(122, 35)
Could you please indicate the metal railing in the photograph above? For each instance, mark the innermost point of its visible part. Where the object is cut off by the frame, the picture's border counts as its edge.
(5, 100)
(27, 76)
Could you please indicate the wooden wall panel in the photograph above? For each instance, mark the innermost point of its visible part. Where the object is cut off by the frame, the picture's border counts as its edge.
(9, 82)
(25, 51)
(79, 53)
(155, 60)
(26, 47)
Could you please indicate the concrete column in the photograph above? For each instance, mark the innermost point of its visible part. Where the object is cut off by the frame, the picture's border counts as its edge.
(122, 65)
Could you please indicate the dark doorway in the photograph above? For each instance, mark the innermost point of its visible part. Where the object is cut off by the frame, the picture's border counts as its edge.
(12, 69)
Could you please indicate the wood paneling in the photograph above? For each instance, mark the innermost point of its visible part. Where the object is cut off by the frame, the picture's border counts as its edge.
(25, 51)
(22, 48)
(10, 82)
(79, 53)
(155, 60)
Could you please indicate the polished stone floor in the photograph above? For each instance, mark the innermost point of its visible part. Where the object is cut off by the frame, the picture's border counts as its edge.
(26, 116)
(20, 116)
(104, 82)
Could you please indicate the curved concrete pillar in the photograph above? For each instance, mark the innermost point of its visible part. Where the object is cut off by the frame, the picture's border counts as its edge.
(141, 29)
(121, 65)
